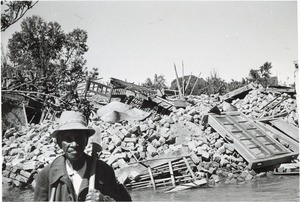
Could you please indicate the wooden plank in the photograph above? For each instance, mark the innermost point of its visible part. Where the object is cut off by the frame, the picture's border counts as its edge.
(178, 85)
(182, 79)
(266, 162)
(157, 172)
(195, 83)
(257, 147)
(190, 185)
(272, 105)
(172, 174)
(152, 179)
(257, 143)
(282, 137)
(189, 168)
(25, 114)
(158, 181)
(242, 90)
(239, 147)
(286, 128)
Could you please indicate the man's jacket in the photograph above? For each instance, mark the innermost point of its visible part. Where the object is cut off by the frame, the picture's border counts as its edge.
(55, 175)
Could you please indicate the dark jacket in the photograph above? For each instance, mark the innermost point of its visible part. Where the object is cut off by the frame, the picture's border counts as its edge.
(55, 175)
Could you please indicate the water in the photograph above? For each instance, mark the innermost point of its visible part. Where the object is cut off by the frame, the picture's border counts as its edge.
(274, 188)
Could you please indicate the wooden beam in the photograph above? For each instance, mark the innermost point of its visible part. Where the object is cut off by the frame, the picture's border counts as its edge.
(188, 83)
(178, 84)
(286, 128)
(172, 174)
(152, 179)
(195, 84)
(182, 79)
(25, 115)
(189, 168)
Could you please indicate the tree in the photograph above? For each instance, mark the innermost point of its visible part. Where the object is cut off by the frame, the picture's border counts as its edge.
(157, 83)
(214, 84)
(37, 46)
(265, 72)
(198, 85)
(56, 58)
(262, 75)
(48, 60)
(14, 11)
(254, 75)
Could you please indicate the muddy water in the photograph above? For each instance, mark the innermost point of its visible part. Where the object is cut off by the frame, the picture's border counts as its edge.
(271, 188)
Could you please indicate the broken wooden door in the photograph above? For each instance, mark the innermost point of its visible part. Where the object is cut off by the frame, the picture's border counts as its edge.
(257, 147)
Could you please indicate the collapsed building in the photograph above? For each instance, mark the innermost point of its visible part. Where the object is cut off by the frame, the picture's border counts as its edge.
(153, 139)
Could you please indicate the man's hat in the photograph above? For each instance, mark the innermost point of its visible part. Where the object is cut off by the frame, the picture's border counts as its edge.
(71, 120)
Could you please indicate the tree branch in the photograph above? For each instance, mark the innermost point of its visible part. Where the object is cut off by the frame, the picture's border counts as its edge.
(17, 17)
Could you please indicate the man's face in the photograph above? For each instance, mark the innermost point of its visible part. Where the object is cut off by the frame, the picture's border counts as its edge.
(73, 143)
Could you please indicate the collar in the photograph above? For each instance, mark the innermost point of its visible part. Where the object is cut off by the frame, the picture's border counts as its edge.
(58, 170)
(72, 172)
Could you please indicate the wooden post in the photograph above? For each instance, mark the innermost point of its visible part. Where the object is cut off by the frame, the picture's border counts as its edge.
(25, 115)
(182, 79)
(110, 94)
(172, 174)
(195, 84)
(188, 83)
(178, 85)
(152, 179)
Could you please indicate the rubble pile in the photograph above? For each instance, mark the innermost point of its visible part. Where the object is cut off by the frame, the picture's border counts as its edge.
(129, 142)
(259, 104)
(25, 151)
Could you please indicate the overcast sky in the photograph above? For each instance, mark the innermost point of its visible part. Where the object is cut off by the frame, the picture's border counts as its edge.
(134, 40)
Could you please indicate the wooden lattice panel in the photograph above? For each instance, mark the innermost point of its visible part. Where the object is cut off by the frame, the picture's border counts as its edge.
(257, 147)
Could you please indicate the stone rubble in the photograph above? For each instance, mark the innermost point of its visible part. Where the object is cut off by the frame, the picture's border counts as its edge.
(27, 151)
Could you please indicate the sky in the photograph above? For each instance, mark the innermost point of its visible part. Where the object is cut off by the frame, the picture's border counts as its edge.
(134, 40)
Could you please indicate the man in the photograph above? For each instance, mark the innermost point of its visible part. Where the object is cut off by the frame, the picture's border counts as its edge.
(67, 177)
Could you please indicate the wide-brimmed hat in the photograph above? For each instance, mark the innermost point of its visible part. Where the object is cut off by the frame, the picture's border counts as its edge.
(72, 120)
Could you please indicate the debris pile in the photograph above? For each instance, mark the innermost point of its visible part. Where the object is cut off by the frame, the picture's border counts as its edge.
(153, 151)
(259, 104)
(25, 151)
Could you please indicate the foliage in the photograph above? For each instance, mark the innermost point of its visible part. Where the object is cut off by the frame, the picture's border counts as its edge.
(254, 75)
(47, 60)
(233, 85)
(214, 84)
(265, 72)
(263, 75)
(13, 11)
(159, 82)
